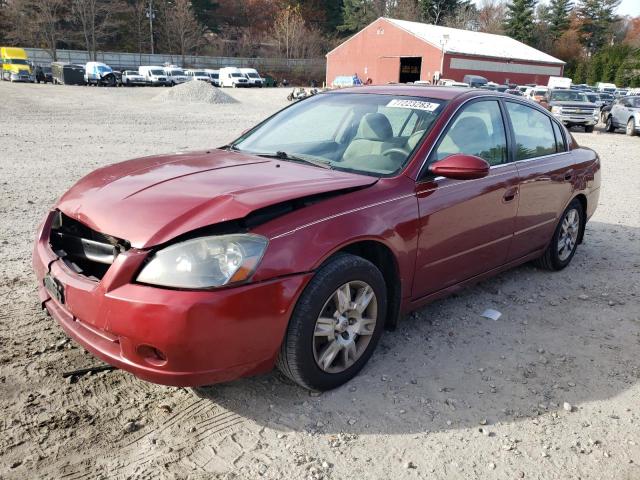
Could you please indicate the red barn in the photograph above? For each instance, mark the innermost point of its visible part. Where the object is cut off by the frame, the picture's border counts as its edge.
(390, 51)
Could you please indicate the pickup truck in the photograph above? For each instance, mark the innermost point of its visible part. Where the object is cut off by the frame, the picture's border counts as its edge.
(572, 108)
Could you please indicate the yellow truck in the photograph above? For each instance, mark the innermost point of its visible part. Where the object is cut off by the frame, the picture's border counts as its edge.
(15, 65)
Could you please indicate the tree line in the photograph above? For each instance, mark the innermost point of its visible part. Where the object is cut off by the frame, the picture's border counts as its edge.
(596, 43)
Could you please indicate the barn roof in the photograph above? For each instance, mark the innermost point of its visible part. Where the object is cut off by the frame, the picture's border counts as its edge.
(468, 42)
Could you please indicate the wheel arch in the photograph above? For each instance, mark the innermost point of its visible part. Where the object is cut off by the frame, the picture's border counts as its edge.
(385, 260)
(582, 198)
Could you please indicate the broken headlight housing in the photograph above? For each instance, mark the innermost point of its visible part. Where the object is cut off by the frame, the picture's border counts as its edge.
(205, 262)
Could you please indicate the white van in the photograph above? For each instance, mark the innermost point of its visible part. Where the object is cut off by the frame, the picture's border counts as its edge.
(606, 87)
(175, 75)
(214, 75)
(559, 82)
(233, 77)
(198, 75)
(98, 73)
(153, 75)
(253, 76)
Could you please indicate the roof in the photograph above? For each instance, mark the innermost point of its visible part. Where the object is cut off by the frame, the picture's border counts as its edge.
(468, 42)
(437, 92)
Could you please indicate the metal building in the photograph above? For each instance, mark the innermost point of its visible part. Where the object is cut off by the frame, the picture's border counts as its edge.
(389, 51)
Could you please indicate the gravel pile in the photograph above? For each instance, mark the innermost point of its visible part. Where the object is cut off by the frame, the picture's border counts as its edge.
(195, 91)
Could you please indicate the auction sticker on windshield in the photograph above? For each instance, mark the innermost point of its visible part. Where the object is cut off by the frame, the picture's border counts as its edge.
(413, 104)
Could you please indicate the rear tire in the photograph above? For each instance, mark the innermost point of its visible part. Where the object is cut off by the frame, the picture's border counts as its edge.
(565, 239)
(631, 128)
(329, 338)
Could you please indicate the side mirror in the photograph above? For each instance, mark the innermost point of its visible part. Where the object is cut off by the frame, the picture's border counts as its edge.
(460, 167)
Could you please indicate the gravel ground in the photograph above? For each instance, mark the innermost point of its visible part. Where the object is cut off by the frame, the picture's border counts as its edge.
(549, 391)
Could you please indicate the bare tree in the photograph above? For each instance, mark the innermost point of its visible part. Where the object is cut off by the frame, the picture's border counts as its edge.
(94, 17)
(491, 14)
(37, 22)
(288, 28)
(464, 17)
(181, 31)
(137, 11)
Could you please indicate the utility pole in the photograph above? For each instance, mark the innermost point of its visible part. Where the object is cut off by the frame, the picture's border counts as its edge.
(151, 15)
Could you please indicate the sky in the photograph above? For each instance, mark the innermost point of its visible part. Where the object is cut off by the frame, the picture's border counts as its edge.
(627, 7)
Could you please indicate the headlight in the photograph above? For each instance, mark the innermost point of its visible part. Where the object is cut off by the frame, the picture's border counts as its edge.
(556, 109)
(205, 262)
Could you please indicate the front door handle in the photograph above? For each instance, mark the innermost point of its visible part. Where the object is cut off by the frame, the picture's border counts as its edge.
(510, 194)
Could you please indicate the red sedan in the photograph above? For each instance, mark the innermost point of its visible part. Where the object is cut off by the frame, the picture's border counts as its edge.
(296, 244)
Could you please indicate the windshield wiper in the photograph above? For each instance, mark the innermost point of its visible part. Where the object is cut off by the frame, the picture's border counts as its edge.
(293, 158)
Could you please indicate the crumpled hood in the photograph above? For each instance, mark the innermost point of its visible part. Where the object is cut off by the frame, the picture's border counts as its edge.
(151, 200)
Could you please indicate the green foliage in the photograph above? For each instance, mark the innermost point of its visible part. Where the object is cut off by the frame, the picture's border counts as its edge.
(597, 17)
(520, 20)
(580, 73)
(559, 17)
(357, 14)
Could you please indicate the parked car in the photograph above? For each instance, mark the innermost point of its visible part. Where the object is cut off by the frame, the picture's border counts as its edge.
(537, 94)
(572, 108)
(198, 75)
(276, 251)
(514, 91)
(154, 75)
(453, 83)
(232, 77)
(67, 73)
(625, 113)
(131, 78)
(344, 81)
(475, 81)
(175, 75)
(214, 75)
(269, 80)
(99, 74)
(606, 87)
(43, 74)
(255, 80)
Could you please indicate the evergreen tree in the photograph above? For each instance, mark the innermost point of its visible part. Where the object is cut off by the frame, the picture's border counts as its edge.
(621, 76)
(559, 17)
(520, 23)
(205, 12)
(357, 14)
(594, 71)
(609, 71)
(598, 17)
(579, 75)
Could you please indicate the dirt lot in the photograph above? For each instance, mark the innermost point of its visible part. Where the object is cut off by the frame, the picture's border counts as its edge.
(449, 395)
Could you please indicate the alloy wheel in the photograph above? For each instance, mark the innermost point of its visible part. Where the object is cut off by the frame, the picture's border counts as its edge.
(568, 234)
(345, 326)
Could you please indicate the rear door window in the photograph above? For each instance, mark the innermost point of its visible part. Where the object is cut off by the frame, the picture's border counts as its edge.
(533, 131)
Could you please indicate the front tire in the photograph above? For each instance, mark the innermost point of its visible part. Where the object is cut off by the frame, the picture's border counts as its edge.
(631, 128)
(565, 238)
(588, 129)
(335, 325)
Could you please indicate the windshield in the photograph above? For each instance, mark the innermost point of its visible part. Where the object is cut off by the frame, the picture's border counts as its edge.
(634, 102)
(592, 98)
(103, 69)
(539, 93)
(200, 73)
(236, 75)
(15, 61)
(176, 72)
(568, 96)
(157, 72)
(363, 133)
(130, 72)
(253, 75)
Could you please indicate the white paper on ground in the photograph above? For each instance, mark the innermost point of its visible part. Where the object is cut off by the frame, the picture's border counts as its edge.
(491, 314)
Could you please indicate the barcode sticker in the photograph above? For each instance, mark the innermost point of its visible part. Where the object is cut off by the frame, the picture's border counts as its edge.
(413, 104)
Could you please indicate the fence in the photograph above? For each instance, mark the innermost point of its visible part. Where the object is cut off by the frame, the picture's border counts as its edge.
(119, 60)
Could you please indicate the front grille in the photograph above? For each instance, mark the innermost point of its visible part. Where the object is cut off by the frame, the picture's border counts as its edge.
(83, 250)
(578, 110)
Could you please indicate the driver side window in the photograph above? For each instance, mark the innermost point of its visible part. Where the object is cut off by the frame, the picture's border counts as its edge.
(478, 130)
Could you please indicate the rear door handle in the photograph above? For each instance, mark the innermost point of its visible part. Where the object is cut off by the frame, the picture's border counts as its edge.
(568, 176)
